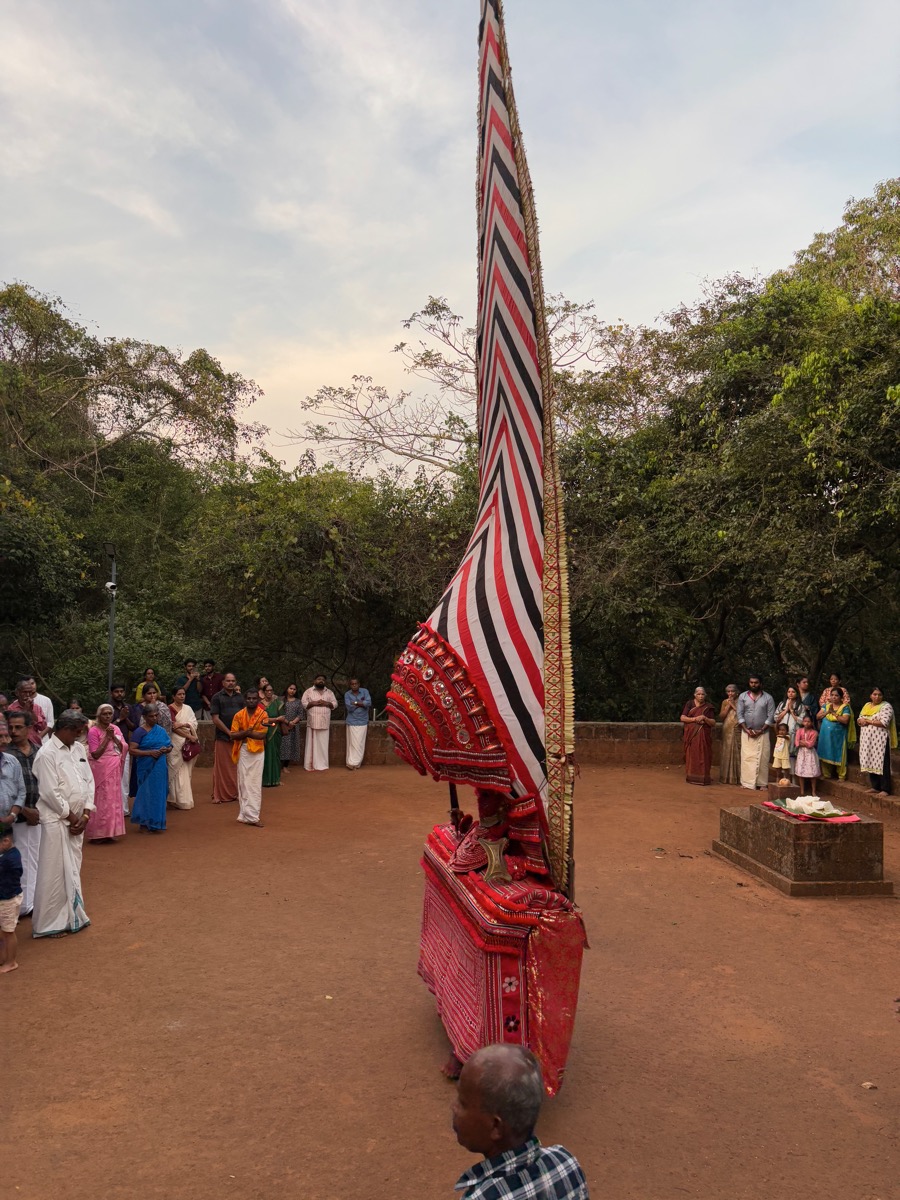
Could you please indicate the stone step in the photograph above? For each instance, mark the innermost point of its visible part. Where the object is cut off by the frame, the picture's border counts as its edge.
(853, 796)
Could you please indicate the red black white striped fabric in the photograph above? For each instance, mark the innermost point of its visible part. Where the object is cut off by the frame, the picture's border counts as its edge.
(490, 619)
(491, 613)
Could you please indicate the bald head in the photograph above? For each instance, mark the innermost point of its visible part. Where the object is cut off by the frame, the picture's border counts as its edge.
(498, 1100)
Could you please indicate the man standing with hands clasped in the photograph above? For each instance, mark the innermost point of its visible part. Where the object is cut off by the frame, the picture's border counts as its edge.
(65, 804)
(319, 702)
(248, 742)
(756, 716)
(498, 1100)
(224, 707)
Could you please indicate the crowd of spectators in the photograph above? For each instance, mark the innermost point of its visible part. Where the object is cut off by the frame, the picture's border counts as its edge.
(68, 779)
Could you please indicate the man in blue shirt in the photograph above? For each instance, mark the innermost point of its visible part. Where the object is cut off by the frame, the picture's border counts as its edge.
(756, 717)
(357, 702)
(497, 1105)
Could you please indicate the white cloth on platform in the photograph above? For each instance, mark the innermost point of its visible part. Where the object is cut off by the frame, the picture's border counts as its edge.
(755, 759)
(66, 786)
(27, 839)
(249, 784)
(356, 744)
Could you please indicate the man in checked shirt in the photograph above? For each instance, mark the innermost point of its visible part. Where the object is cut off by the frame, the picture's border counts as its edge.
(498, 1099)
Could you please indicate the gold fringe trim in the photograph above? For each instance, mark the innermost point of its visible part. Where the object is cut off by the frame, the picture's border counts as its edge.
(559, 699)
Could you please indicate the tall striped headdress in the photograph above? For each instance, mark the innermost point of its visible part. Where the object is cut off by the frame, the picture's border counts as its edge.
(483, 694)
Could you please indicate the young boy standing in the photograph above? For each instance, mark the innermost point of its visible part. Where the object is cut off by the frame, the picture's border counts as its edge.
(10, 900)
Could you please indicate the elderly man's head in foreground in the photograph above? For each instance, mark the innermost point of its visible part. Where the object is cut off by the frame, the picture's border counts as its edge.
(498, 1099)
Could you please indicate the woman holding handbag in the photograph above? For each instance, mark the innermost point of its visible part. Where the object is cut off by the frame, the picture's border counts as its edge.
(186, 748)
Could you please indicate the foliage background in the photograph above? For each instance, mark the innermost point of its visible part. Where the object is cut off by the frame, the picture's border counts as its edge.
(732, 483)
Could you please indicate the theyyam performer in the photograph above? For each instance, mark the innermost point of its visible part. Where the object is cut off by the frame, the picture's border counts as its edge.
(482, 695)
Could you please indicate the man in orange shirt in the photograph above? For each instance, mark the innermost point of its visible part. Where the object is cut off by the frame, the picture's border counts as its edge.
(248, 738)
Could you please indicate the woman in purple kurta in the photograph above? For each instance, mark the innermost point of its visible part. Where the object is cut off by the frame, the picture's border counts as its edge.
(106, 755)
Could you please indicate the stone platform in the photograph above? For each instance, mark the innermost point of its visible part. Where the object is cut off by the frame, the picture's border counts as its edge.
(805, 858)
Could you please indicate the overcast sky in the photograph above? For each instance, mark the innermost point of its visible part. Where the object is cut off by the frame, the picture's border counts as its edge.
(283, 181)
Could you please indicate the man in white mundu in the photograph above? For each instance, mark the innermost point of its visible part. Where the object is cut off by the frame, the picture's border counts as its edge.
(319, 702)
(756, 718)
(248, 744)
(357, 702)
(65, 803)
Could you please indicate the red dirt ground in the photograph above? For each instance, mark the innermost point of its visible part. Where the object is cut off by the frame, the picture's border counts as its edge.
(243, 1019)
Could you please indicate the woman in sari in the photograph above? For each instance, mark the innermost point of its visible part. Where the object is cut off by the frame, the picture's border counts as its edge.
(291, 746)
(698, 718)
(730, 762)
(877, 738)
(163, 719)
(184, 730)
(150, 744)
(274, 706)
(834, 681)
(837, 733)
(106, 757)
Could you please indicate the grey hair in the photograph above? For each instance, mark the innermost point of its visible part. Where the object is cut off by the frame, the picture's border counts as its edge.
(732, 687)
(70, 718)
(511, 1086)
(101, 707)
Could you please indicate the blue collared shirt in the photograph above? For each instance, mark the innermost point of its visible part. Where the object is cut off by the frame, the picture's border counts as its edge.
(532, 1172)
(12, 785)
(755, 714)
(357, 716)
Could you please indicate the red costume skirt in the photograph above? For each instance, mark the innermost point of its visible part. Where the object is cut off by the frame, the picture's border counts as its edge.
(503, 960)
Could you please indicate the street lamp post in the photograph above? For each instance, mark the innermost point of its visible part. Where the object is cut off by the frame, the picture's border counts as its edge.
(111, 589)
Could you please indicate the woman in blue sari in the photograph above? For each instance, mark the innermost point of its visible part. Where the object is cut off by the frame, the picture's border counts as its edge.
(149, 746)
(837, 731)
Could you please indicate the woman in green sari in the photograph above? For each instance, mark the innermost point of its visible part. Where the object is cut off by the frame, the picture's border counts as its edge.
(272, 761)
(837, 732)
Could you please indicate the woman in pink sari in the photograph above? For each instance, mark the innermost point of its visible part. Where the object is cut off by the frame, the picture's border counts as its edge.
(106, 754)
(698, 718)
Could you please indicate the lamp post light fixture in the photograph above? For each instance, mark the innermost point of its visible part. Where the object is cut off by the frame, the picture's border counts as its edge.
(111, 589)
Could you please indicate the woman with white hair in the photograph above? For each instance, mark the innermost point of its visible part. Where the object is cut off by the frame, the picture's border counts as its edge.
(106, 756)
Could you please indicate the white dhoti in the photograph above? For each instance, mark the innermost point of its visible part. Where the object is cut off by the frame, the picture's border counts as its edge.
(755, 760)
(126, 781)
(27, 840)
(315, 757)
(58, 904)
(249, 785)
(356, 744)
